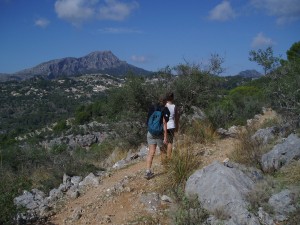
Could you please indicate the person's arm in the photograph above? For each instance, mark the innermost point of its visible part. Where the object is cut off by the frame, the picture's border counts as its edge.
(176, 119)
(165, 131)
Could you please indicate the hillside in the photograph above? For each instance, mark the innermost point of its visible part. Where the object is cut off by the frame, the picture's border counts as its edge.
(104, 62)
(72, 126)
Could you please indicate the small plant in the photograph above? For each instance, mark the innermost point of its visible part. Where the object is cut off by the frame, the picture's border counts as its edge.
(189, 211)
(221, 214)
(260, 195)
(58, 149)
(60, 126)
(290, 174)
(145, 219)
(248, 150)
(270, 122)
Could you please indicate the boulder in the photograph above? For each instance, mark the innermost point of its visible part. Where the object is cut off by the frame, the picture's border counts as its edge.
(282, 204)
(265, 136)
(282, 154)
(219, 187)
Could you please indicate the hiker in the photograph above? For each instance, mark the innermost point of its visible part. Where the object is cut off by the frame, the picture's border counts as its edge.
(160, 138)
(172, 125)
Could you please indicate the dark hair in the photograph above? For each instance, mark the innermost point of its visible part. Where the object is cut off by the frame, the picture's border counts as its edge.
(170, 96)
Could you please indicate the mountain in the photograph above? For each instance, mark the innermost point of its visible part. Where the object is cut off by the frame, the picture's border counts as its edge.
(249, 74)
(104, 62)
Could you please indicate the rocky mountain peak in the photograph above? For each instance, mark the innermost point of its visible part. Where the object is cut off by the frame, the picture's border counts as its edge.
(95, 62)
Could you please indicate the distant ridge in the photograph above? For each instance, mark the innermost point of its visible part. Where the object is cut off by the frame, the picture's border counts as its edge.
(249, 74)
(95, 62)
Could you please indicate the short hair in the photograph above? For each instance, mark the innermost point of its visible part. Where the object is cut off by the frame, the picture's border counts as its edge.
(170, 96)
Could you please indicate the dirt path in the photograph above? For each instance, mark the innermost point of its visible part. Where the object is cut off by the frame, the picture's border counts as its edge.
(116, 199)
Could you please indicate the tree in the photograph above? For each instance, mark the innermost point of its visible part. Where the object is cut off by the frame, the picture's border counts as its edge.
(215, 64)
(264, 58)
(293, 54)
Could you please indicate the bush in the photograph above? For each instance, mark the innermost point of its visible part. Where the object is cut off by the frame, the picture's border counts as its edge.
(283, 89)
(240, 104)
(248, 151)
(10, 187)
(60, 126)
(259, 196)
(189, 211)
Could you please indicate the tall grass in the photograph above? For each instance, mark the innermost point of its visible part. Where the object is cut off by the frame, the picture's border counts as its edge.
(201, 131)
(248, 151)
(182, 163)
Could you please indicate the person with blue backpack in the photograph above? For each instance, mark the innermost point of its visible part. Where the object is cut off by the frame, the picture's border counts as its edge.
(158, 116)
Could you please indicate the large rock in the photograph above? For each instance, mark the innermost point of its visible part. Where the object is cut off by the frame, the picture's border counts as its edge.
(282, 204)
(282, 154)
(222, 188)
(265, 136)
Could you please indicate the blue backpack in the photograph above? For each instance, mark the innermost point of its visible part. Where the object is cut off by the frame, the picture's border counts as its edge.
(155, 126)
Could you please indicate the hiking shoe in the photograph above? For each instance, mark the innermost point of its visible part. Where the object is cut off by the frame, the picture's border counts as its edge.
(149, 175)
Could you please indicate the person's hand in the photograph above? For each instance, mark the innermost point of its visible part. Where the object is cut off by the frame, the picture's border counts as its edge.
(165, 141)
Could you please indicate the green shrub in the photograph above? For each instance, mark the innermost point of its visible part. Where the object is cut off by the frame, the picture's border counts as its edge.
(60, 126)
(58, 149)
(10, 187)
(283, 89)
(189, 210)
(240, 104)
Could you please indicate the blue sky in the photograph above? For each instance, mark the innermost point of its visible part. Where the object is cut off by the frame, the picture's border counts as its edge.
(150, 34)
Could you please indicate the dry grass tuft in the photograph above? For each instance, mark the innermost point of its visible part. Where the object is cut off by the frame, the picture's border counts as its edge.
(260, 195)
(290, 174)
(182, 164)
(221, 214)
(201, 132)
(248, 151)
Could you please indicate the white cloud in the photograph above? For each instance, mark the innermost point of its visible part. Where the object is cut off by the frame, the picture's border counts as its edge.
(261, 41)
(118, 30)
(284, 10)
(41, 22)
(79, 11)
(114, 10)
(75, 11)
(139, 59)
(222, 12)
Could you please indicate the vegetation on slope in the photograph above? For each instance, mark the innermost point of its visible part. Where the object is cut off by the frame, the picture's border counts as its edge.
(24, 164)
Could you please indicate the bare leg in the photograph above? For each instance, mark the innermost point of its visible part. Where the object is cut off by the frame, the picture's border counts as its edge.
(169, 150)
(150, 156)
(163, 153)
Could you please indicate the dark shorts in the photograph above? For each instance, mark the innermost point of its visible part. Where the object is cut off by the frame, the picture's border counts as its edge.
(170, 135)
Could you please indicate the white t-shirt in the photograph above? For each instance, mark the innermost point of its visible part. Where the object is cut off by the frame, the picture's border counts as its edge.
(171, 123)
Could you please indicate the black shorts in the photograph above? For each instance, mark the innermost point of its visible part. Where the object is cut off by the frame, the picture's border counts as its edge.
(170, 135)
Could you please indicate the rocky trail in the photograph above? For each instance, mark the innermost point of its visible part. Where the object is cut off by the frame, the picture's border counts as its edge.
(118, 199)
(124, 196)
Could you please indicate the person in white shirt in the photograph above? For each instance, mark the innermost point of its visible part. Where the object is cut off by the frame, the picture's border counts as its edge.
(172, 124)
